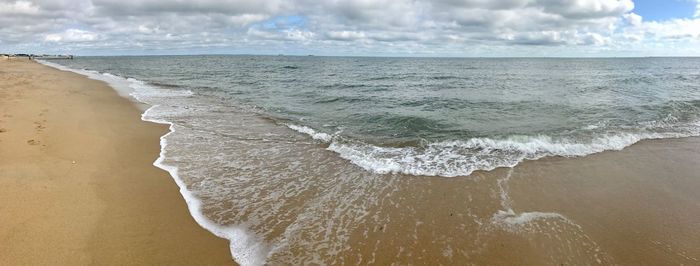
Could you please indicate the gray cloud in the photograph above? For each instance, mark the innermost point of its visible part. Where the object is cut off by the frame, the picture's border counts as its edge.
(150, 7)
(352, 26)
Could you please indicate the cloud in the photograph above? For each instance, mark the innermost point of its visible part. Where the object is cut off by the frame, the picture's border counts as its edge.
(345, 35)
(673, 29)
(71, 35)
(633, 19)
(151, 7)
(331, 26)
(18, 8)
(576, 9)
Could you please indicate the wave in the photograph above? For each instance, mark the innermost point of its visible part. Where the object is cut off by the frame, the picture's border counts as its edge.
(462, 157)
(245, 247)
(342, 86)
(313, 133)
(445, 77)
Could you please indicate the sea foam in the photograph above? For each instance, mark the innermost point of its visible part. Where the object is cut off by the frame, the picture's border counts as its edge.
(462, 157)
(246, 248)
(313, 133)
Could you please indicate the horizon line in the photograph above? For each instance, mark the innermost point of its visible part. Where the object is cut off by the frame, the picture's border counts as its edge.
(385, 56)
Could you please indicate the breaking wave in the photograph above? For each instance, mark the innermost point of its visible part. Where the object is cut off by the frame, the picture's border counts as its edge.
(462, 157)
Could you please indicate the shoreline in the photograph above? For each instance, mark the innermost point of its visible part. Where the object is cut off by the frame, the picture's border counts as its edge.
(622, 206)
(244, 247)
(75, 177)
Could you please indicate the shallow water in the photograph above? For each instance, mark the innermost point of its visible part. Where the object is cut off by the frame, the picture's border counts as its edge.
(327, 160)
(425, 116)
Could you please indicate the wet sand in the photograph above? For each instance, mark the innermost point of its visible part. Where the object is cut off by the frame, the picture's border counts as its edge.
(638, 206)
(641, 205)
(307, 205)
(77, 184)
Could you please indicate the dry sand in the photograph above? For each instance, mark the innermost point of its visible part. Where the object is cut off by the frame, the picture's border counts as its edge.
(638, 206)
(77, 184)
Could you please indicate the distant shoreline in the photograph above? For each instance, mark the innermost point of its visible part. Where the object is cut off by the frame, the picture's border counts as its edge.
(387, 56)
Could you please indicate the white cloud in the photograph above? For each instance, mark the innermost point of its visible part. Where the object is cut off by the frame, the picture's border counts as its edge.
(18, 8)
(633, 19)
(586, 8)
(673, 29)
(299, 35)
(428, 26)
(345, 35)
(245, 19)
(147, 30)
(71, 35)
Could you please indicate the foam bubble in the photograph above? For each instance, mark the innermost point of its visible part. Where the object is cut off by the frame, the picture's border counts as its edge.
(313, 133)
(119, 84)
(461, 158)
(509, 217)
(143, 92)
(246, 248)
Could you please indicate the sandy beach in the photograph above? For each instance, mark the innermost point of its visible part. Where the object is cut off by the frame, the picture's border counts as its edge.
(77, 184)
(78, 187)
(295, 132)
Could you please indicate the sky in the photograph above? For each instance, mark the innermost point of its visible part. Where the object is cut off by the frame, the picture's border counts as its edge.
(463, 28)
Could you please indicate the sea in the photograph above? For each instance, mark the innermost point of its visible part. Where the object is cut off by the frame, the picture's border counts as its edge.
(346, 160)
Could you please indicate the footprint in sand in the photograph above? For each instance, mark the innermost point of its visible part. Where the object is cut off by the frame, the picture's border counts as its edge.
(32, 142)
(2, 130)
(39, 126)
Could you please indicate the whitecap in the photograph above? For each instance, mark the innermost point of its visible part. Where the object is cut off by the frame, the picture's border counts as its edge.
(311, 132)
(461, 158)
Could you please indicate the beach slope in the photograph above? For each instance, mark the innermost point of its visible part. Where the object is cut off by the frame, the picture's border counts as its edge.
(77, 184)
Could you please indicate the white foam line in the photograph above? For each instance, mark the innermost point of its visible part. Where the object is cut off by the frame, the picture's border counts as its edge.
(120, 85)
(461, 158)
(311, 132)
(244, 247)
(509, 216)
(512, 218)
(503, 186)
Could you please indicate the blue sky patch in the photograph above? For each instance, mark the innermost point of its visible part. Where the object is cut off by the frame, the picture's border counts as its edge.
(283, 23)
(664, 9)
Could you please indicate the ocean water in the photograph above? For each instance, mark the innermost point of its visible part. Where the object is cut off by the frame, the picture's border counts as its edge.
(312, 159)
(441, 117)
